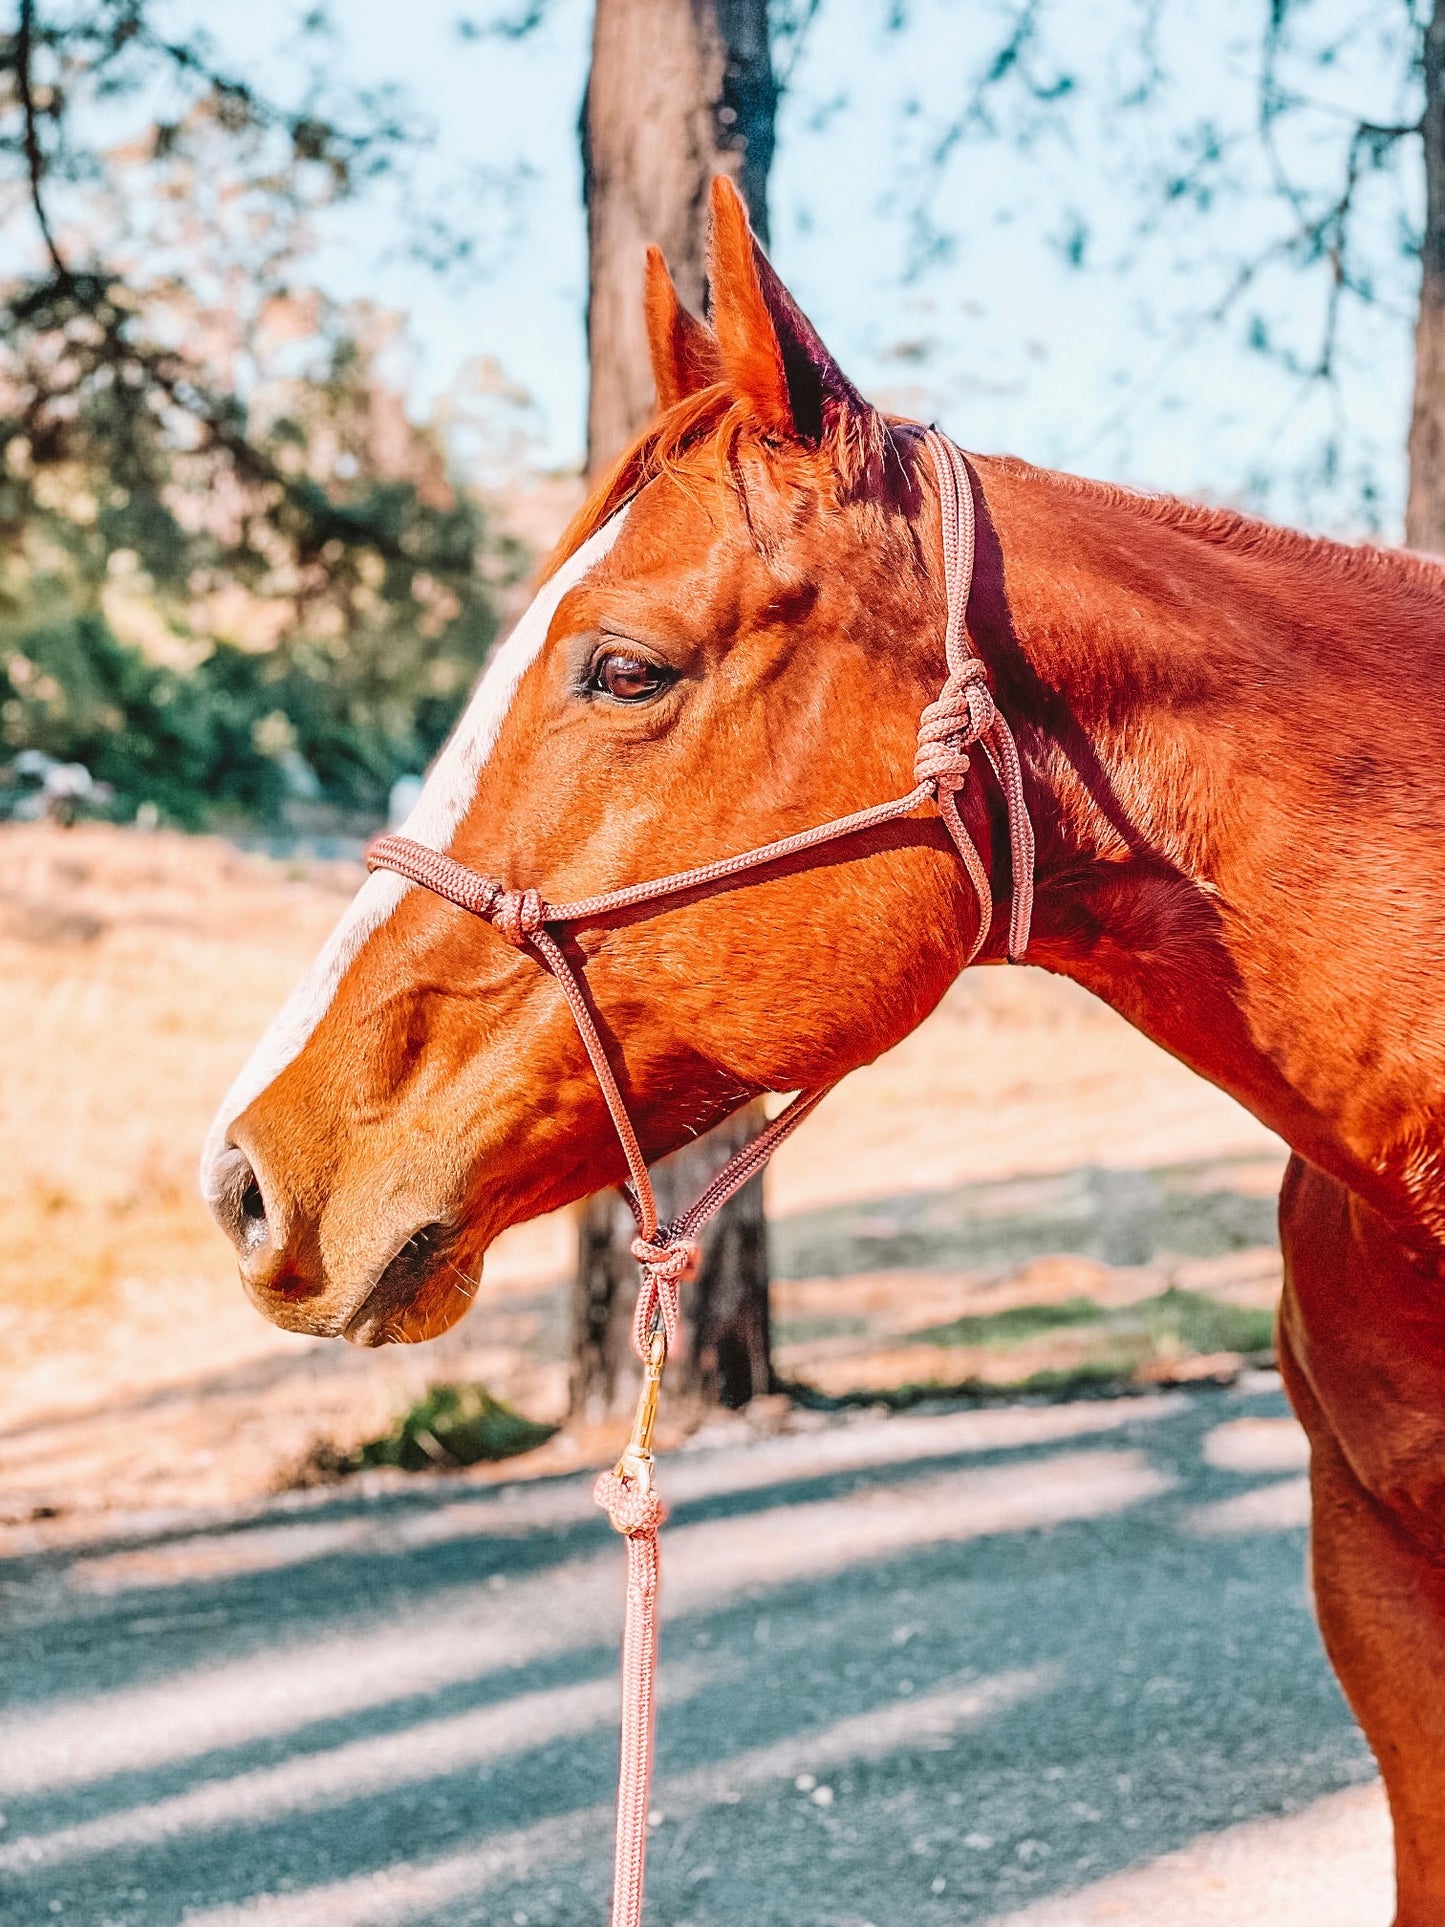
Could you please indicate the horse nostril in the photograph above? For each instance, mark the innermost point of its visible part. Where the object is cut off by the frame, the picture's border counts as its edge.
(238, 1202)
(251, 1209)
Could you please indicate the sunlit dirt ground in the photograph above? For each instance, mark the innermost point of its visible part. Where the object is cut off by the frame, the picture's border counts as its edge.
(1003, 1199)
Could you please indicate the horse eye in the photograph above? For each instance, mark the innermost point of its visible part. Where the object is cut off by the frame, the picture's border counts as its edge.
(628, 679)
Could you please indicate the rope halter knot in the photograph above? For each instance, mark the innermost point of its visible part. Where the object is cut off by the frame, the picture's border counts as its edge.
(962, 714)
(668, 1263)
(519, 916)
(516, 915)
(626, 1493)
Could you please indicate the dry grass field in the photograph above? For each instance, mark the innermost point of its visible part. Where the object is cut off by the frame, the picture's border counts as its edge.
(1023, 1150)
(132, 968)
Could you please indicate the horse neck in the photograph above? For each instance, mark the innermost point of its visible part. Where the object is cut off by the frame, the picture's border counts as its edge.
(1231, 736)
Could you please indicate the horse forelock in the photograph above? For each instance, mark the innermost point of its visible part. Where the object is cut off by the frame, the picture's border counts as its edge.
(712, 428)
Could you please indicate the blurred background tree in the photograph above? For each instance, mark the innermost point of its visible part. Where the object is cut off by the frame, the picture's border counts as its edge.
(233, 571)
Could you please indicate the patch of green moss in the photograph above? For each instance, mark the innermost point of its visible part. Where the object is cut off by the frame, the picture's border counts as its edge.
(1011, 1326)
(1175, 1320)
(1124, 1345)
(808, 1331)
(1199, 1323)
(1090, 1378)
(1111, 1368)
(452, 1425)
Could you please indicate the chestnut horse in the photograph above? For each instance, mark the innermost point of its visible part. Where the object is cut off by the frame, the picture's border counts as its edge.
(1231, 738)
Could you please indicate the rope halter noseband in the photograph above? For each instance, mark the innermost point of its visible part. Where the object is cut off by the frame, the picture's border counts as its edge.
(962, 717)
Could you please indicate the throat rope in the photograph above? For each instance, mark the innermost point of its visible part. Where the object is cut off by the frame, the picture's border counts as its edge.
(962, 716)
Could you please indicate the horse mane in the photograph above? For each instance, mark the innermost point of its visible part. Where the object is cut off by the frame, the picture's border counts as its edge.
(714, 415)
(1345, 565)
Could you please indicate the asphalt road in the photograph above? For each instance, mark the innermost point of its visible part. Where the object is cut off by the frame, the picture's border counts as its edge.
(916, 1670)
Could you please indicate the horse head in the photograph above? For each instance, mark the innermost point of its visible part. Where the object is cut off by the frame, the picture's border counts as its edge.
(734, 642)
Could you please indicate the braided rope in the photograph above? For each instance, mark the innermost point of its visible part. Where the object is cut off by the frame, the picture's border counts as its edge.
(637, 1516)
(963, 689)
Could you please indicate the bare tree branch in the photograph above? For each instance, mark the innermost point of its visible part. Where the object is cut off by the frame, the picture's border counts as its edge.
(1009, 65)
(34, 152)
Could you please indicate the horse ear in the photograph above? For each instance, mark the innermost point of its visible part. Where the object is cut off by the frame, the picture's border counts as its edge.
(772, 355)
(684, 352)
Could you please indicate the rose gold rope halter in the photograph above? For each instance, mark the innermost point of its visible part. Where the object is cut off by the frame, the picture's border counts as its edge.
(963, 715)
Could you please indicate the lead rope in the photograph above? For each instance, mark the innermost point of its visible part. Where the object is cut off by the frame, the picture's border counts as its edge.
(963, 714)
(626, 1493)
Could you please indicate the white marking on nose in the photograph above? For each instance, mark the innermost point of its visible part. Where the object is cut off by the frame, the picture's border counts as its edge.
(449, 789)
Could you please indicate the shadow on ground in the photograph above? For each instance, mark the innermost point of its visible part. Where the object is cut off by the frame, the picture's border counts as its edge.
(1199, 1210)
(916, 1671)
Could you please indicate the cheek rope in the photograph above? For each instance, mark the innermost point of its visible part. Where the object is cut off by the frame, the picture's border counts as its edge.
(962, 716)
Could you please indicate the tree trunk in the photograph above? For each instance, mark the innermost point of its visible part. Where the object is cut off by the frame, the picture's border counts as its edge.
(1425, 507)
(679, 90)
(726, 1355)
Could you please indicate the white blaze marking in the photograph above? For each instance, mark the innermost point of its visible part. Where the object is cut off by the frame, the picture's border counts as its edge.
(438, 813)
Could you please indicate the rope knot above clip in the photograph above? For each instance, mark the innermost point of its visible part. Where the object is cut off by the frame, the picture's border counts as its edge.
(674, 1261)
(962, 715)
(666, 1267)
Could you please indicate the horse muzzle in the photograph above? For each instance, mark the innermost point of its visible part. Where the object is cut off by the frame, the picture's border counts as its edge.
(400, 1289)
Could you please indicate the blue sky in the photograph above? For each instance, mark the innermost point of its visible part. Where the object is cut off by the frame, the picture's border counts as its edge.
(1107, 366)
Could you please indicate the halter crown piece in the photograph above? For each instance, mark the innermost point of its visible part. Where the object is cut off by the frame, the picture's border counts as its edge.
(962, 716)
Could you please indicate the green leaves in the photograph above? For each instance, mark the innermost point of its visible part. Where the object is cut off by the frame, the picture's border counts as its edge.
(240, 736)
(173, 395)
(452, 1425)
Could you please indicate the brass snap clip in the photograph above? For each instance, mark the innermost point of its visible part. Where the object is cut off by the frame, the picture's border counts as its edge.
(635, 1465)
